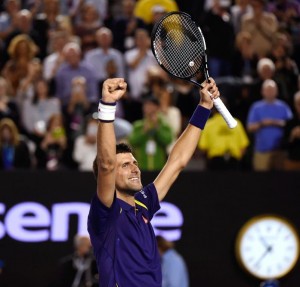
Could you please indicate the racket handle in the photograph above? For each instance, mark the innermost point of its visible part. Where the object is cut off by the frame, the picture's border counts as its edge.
(231, 122)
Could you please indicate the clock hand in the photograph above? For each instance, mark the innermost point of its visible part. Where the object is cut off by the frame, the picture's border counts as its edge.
(268, 249)
(264, 242)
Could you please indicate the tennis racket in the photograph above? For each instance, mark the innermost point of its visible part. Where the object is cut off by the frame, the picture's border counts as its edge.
(179, 48)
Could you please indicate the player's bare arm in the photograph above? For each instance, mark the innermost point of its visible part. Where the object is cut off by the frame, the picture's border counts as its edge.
(185, 145)
(112, 91)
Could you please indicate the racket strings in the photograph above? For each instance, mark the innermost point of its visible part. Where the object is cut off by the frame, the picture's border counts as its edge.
(178, 46)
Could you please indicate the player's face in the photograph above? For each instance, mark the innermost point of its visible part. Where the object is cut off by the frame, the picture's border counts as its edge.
(128, 174)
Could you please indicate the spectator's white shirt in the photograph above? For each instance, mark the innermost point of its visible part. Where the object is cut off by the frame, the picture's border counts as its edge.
(137, 76)
(48, 66)
(84, 153)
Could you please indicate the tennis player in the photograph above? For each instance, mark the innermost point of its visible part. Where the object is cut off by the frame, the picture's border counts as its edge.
(119, 219)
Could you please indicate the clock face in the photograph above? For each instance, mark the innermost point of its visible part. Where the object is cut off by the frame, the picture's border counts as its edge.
(268, 247)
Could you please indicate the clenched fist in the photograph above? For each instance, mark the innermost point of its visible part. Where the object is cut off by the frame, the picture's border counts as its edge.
(113, 90)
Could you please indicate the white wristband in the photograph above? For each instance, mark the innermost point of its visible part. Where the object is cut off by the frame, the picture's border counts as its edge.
(106, 111)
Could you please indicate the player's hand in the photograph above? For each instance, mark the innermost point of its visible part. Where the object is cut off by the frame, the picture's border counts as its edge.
(113, 90)
(209, 92)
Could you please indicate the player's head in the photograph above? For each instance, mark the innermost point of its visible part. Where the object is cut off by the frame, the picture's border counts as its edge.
(128, 174)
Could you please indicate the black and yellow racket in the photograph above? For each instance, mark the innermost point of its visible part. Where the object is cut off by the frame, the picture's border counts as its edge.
(179, 47)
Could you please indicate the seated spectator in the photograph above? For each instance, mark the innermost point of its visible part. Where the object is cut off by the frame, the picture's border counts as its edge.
(74, 67)
(98, 58)
(224, 148)
(292, 138)
(14, 152)
(8, 108)
(266, 120)
(21, 52)
(150, 137)
(36, 112)
(50, 153)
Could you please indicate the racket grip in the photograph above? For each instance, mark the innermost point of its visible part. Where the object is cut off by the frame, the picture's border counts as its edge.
(231, 122)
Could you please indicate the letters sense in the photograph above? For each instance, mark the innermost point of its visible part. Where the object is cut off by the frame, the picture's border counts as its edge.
(34, 222)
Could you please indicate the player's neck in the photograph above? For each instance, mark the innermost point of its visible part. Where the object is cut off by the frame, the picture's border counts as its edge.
(126, 197)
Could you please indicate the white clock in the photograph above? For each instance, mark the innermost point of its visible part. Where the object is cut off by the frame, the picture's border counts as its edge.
(267, 246)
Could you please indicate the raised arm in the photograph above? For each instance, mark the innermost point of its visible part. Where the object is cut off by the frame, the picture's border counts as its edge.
(186, 144)
(112, 91)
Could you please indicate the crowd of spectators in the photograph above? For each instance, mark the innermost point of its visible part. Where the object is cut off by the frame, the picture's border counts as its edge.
(55, 55)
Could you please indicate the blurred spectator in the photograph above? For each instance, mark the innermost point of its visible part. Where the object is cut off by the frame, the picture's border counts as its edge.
(292, 138)
(74, 67)
(224, 148)
(219, 34)
(237, 11)
(26, 87)
(87, 26)
(245, 60)
(150, 137)
(21, 51)
(158, 84)
(287, 12)
(14, 152)
(85, 146)
(101, 7)
(157, 12)
(174, 269)
(262, 26)
(286, 70)
(36, 112)
(138, 60)
(8, 18)
(8, 108)
(186, 97)
(54, 60)
(265, 71)
(99, 57)
(78, 107)
(46, 23)
(124, 27)
(79, 268)
(23, 24)
(266, 120)
(50, 153)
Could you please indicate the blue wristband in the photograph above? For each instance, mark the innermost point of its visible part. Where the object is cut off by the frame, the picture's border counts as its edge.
(200, 117)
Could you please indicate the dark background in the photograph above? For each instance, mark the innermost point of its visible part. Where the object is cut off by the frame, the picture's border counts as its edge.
(214, 206)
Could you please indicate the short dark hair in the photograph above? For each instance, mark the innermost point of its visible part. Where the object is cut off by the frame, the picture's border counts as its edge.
(120, 148)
